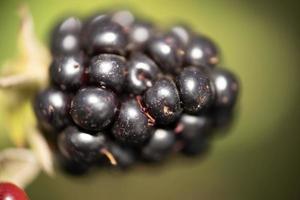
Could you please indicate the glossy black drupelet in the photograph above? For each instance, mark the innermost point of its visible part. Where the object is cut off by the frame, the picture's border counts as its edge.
(125, 157)
(131, 126)
(68, 71)
(140, 33)
(51, 108)
(142, 73)
(80, 146)
(65, 38)
(226, 87)
(195, 90)
(159, 145)
(183, 33)
(194, 132)
(93, 108)
(166, 52)
(201, 51)
(108, 70)
(105, 36)
(190, 127)
(162, 101)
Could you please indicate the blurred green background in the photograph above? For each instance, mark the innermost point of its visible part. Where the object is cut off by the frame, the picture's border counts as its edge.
(258, 158)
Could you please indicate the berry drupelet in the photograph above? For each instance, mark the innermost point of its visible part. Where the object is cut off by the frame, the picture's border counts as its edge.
(132, 125)
(183, 33)
(226, 87)
(65, 37)
(201, 51)
(106, 37)
(68, 71)
(80, 146)
(140, 34)
(108, 70)
(166, 52)
(194, 89)
(51, 108)
(191, 127)
(93, 108)
(162, 101)
(124, 156)
(142, 73)
(193, 132)
(159, 145)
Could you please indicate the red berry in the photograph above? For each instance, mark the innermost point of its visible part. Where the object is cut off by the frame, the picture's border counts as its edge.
(9, 191)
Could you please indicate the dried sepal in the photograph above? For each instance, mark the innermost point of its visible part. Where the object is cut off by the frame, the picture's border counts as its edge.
(18, 166)
(42, 151)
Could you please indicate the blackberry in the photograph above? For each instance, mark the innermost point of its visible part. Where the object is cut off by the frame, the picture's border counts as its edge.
(122, 90)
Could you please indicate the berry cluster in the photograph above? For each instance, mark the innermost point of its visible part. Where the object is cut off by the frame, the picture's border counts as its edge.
(122, 90)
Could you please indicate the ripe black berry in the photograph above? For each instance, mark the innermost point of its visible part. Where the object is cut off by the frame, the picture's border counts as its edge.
(80, 146)
(108, 70)
(132, 125)
(162, 101)
(142, 73)
(68, 71)
(201, 51)
(51, 108)
(195, 90)
(226, 87)
(159, 146)
(148, 91)
(107, 37)
(65, 37)
(166, 52)
(93, 108)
